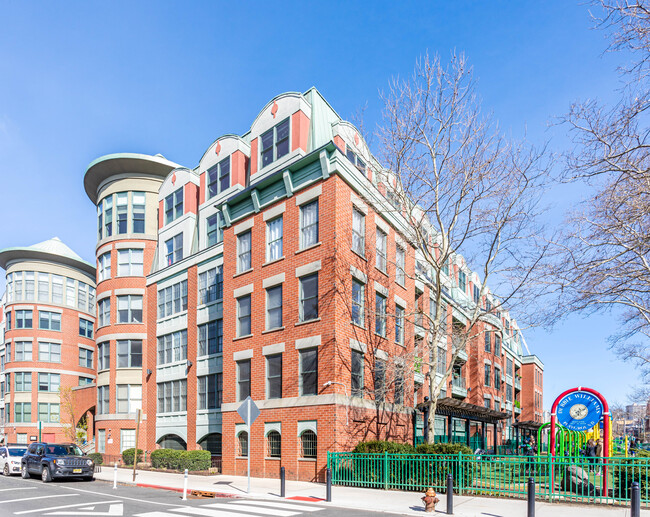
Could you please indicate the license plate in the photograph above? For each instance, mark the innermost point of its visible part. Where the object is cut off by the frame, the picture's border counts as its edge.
(76, 471)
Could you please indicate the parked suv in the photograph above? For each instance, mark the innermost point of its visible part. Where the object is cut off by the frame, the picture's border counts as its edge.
(54, 460)
(10, 458)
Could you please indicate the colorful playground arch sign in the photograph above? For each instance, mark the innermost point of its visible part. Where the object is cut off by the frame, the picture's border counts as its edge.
(579, 410)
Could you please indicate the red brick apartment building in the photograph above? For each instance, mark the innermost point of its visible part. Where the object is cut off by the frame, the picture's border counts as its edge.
(275, 268)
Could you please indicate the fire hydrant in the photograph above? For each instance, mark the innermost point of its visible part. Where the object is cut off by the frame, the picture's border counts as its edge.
(430, 500)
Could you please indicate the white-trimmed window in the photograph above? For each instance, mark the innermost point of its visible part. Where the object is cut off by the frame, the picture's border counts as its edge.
(244, 315)
(22, 412)
(23, 351)
(83, 381)
(309, 224)
(108, 216)
(49, 382)
(130, 262)
(380, 314)
(172, 396)
(43, 287)
(49, 352)
(172, 347)
(357, 368)
(129, 353)
(174, 206)
(129, 309)
(138, 208)
(274, 307)
(358, 232)
(104, 312)
(85, 358)
(214, 230)
(211, 285)
(85, 328)
(129, 398)
(49, 320)
(273, 444)
(210, 391)
(23, 381)
(244, 251)
(242, 442)
(174, 249)
(274, 376)
(70, 292)
(400, 266)
(24, 319)
(274, 239)
(172, 299)
(358, 302)
(57, 289)
(308, 297)
(49, 412)
(122, 211)
(29, 286)
(243, 379)
(399, 325)
(101, 440)
(380, 254)
(103, 356)
(103, 400)
(219, 177)
(309, 371)
(127, 439)
(274, 143)
(380, 380)
(309, 444)
(211, 338)
(82, 296)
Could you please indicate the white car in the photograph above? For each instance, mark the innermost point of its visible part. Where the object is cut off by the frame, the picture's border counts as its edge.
(10, 456)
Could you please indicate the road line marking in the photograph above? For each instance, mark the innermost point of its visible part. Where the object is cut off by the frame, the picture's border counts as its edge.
(114, 510)
(20, 488)
(65, 506)
(286, 506)
(39, 497)
(252, 509)
(121, 497)
(221, 512)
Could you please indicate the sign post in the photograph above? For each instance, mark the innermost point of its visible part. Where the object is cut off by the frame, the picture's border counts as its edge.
(40, 428)
(249, 413)
(137, 432)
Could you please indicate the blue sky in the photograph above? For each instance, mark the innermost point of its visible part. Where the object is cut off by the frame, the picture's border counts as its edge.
(84, 79)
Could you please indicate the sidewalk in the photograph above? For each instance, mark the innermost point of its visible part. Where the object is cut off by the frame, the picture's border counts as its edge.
(405, 503)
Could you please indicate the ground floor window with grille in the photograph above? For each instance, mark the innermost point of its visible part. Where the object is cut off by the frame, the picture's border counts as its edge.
(273, 444)
(308, 442)
(242, 442)
(127, 439)
(212, 443)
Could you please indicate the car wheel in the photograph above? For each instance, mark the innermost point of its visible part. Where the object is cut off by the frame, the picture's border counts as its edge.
(6, 469)
(24, 473)
(45, 475)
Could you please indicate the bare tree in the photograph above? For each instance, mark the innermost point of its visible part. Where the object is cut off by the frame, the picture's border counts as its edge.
(472, 198)
(73, 427)
(604, 253)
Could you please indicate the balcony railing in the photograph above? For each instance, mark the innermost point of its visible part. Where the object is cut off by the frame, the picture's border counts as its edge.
(517, 383)
(458, 387)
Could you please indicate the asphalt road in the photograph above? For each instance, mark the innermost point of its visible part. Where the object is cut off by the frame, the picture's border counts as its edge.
(33, 498)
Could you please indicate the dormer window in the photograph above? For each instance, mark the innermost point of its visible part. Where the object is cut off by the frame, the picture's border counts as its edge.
(174, 206)
(219, 177)
(275, 143)
(356, 160)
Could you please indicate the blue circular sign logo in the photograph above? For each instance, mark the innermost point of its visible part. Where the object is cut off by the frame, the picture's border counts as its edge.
(579, 411)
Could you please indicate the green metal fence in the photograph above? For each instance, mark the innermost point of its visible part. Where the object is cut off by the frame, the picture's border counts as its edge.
(585, 480)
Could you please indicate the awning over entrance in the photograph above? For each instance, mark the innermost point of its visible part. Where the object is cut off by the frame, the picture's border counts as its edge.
(457, 408)
(528, 425)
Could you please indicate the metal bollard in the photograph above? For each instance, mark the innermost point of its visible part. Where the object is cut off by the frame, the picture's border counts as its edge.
(450, 494)
(328, 486)
(531, 497)
(282, 482)
(115, 476)
(185, 486)
(635, 501)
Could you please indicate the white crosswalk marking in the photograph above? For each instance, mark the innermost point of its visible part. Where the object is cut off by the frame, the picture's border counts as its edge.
(252, 509)
(221, 510)
(287, 506)
(52, 508)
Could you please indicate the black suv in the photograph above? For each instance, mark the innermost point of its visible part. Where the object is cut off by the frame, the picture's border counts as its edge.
(54, 460)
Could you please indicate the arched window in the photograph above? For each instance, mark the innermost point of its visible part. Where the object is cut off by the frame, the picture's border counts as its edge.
(172, 441)
(242, 438)
(273, 444)
(309, 443)
(212, 443)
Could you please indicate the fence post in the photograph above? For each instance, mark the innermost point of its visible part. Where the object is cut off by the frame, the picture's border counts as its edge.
(450, 494)
(531, 497)
(385, 470)
(282, 492)
(635, 501)
(328, 486)
(459, 470)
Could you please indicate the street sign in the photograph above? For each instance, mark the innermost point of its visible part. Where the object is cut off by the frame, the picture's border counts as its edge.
(249, 413)
(248, 416)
